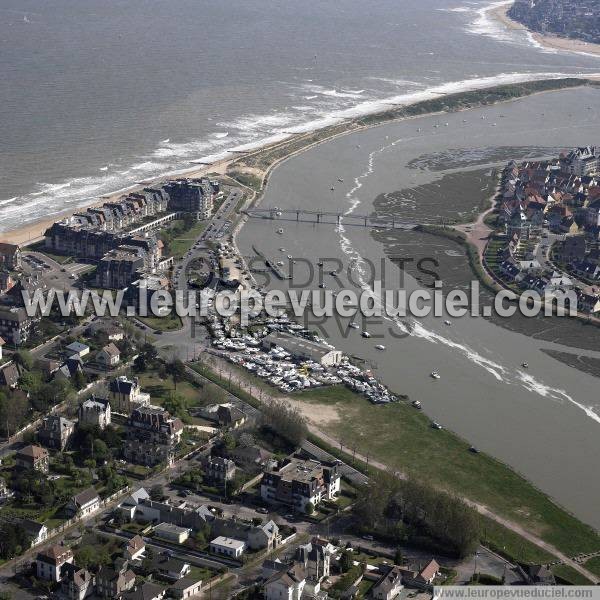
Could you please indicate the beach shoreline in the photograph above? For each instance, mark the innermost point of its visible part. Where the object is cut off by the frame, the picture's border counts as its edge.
(549, 42)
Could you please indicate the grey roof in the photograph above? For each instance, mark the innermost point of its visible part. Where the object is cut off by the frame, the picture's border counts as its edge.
(85, 497)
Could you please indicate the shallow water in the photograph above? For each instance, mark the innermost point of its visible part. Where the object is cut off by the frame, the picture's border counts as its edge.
(545, 419)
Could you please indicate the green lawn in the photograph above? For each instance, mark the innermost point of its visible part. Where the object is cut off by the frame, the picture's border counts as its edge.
(161, 389)
(182, 243)
(170, 322)
(570, 574)
(593, 565)
(401, 437)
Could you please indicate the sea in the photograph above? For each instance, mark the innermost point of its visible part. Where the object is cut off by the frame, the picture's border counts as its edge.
(96, 96)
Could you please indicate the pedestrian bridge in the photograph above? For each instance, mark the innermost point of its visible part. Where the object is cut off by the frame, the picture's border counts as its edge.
(332, 218)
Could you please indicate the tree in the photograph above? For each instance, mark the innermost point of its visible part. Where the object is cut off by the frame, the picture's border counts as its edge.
(24, 359)
(157, 492)
(285, 421)
(13, 409)
(398, 558)
(346, 560)
(309, 508)
(177, 371)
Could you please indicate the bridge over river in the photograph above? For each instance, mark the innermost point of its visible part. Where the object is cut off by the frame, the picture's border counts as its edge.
(335, 218)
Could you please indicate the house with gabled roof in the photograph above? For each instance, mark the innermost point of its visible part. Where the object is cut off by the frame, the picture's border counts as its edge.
(85, 503)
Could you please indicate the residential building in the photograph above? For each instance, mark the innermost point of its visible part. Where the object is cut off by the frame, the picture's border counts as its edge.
(49, 562)
(134, 548)
(95, 411)
(265, 536)
(109, 357)
(186, 587)
(302, 348)
(85, 503)
(171, 568)
(151, 511)
(389, 586)
(219, 469)
(126, 394)
(15, 325)
(5, 492)
(191, 196)
(129, 505)
(285, 585)
(77, 349)
(37, 532)
(227, 547)
(298, 482)
(9, 375)
(10, 256)
(120, 266)
(6, 282)
(172, 533)
(230, 416)
(145, 591)
(112, 582)
(69, 368)
(152, 436)
(33, 457)
(55, 432)
(315, 557)
(106, 327)
(77, 583)
(428, 573)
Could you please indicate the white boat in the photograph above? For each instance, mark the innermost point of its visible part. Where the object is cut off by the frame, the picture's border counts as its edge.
(366, 334)
(525, 365)
(380, 347)
(340, 180)
(436, 425)
(290, 257)
(434, 374)
(332, 188)
(353, 325)
(416, 404)
(278, 213)
(281, 249)
(280, 231)
(446, 322)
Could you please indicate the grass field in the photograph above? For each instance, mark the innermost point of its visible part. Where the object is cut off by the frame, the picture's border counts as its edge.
(401, 437)
(182, 243)
(170, 322)
(593, 565)
(161, 389)
(570, 574)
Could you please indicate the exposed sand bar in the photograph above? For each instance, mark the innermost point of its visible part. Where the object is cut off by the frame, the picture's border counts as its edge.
(551, 42)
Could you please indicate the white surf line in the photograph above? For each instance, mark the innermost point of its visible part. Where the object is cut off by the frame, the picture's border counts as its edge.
(416, 329)
(540, 388)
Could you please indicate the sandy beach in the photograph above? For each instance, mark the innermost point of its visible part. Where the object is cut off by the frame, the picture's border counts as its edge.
(551, 42)
(35, 231)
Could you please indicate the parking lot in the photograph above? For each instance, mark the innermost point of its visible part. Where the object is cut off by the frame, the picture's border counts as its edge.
(55, 275)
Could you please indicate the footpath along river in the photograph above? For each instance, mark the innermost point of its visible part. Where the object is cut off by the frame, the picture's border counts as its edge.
(544, 420)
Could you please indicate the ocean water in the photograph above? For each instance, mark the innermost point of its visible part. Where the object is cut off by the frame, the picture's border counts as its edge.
(95, 95)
